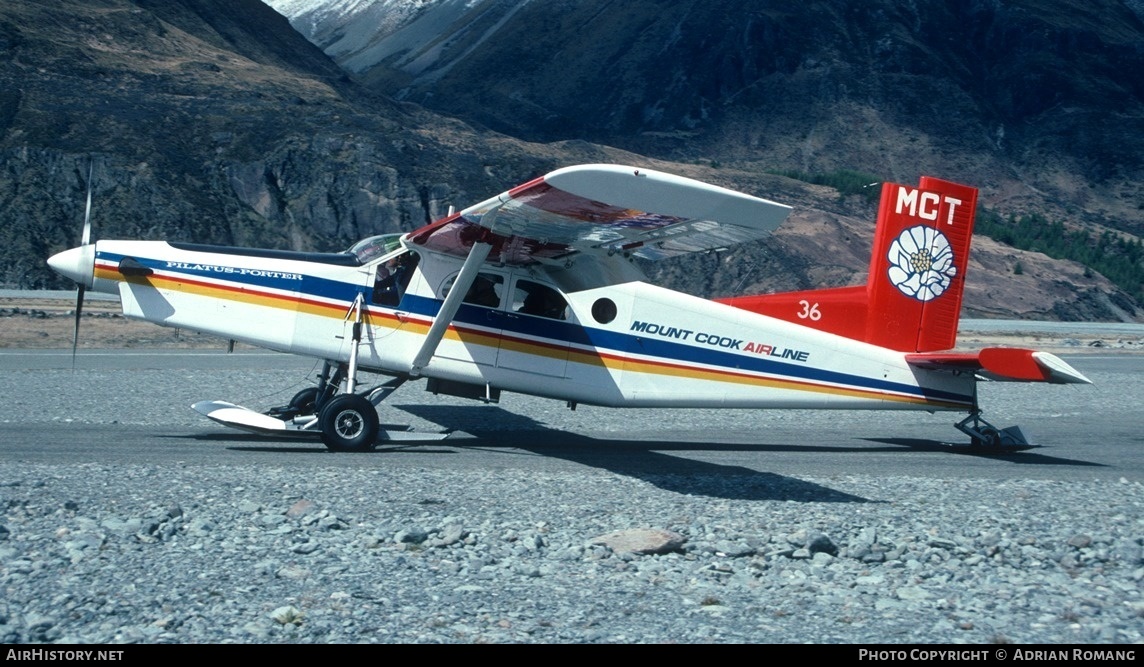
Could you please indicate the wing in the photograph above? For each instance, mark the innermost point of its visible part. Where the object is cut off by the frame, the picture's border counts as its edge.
(604, 209)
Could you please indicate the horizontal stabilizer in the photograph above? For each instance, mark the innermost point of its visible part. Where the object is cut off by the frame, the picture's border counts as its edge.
(1002, 363)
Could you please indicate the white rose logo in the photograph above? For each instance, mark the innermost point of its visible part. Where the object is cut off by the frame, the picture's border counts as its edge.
(921, 263)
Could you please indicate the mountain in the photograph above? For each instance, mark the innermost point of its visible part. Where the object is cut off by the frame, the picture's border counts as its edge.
(1040, 101)
(212, 121)
(215, 121)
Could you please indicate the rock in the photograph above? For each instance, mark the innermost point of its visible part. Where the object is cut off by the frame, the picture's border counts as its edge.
(734, 549)
(1080, 541)
(641, 541)
(301, 509)
(819, 543)
(449, 535)
(287, 615)
(411, 536)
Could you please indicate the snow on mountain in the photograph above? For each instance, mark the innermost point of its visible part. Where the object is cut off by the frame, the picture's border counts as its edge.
(415, 34)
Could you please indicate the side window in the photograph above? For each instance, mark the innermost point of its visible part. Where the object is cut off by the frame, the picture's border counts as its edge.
(486, 291)
(393, 278)
(531, 298)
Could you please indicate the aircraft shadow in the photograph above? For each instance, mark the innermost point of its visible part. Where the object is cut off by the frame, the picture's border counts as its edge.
(258, 442)
(1024, 457)
(494, 428)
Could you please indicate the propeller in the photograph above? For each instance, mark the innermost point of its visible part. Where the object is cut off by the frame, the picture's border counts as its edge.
(84, 242)
(79, 263)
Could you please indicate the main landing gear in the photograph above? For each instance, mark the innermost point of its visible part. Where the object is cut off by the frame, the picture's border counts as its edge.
(347, 422)
(344, 417)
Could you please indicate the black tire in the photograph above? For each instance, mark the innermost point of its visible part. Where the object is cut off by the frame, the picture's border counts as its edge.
(305, 401)
(349, 423)
(992, 438)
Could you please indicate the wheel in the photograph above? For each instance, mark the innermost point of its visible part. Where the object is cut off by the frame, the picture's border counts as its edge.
(992, 438)
(349, 423)
(305, 401)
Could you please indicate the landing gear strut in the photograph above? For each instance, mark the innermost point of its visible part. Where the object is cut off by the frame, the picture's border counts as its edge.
(986, 437)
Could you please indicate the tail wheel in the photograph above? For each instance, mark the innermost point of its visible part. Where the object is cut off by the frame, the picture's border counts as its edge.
(991, 437)
(349, 423)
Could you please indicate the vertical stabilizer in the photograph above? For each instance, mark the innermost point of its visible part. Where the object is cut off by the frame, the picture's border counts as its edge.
(918, 266)
(912, 298)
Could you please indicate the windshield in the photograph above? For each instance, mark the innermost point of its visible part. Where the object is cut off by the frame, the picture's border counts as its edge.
(370, 249)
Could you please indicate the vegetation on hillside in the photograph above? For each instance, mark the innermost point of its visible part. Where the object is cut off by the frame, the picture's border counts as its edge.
(845, 181)
(1115, 256)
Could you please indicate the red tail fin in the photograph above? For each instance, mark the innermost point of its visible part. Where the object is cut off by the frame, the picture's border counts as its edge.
(912, 298)
(917, 271)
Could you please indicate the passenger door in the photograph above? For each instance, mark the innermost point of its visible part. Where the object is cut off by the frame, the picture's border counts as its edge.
(535, 334)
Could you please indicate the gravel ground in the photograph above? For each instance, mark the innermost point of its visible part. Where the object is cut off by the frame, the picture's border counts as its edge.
(99, 553)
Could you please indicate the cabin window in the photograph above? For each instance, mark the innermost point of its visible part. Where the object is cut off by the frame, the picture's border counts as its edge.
(393, 278)
(604, 310)
(531, 298)
(486, 290)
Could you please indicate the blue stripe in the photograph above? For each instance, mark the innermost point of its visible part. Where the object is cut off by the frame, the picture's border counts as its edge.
(668, 351)
(307, 286)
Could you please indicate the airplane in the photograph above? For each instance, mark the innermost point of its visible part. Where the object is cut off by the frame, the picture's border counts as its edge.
(537, 291)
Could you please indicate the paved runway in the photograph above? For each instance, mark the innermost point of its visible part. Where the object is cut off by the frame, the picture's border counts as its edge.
(133, 407)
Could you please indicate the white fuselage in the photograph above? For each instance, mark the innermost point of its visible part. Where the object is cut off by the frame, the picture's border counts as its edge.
(629, 344)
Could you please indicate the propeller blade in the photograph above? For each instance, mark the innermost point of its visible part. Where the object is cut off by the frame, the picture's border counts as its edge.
(78, 314)
(87, 213)
(85, 240)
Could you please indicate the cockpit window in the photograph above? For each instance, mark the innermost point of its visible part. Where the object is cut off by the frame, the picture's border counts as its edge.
(373, 247)
(486, 290)
(393, 278)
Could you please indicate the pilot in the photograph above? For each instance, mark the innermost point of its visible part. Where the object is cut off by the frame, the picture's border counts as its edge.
(392, 277)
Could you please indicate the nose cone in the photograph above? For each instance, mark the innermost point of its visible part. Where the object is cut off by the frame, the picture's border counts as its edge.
(77, 264)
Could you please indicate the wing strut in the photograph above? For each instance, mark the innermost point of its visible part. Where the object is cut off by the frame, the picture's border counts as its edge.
(465, 278)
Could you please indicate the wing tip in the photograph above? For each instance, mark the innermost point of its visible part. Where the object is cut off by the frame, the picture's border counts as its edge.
(1058, 370)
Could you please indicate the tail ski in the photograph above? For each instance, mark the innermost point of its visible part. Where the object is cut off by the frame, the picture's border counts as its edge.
(911, 301)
